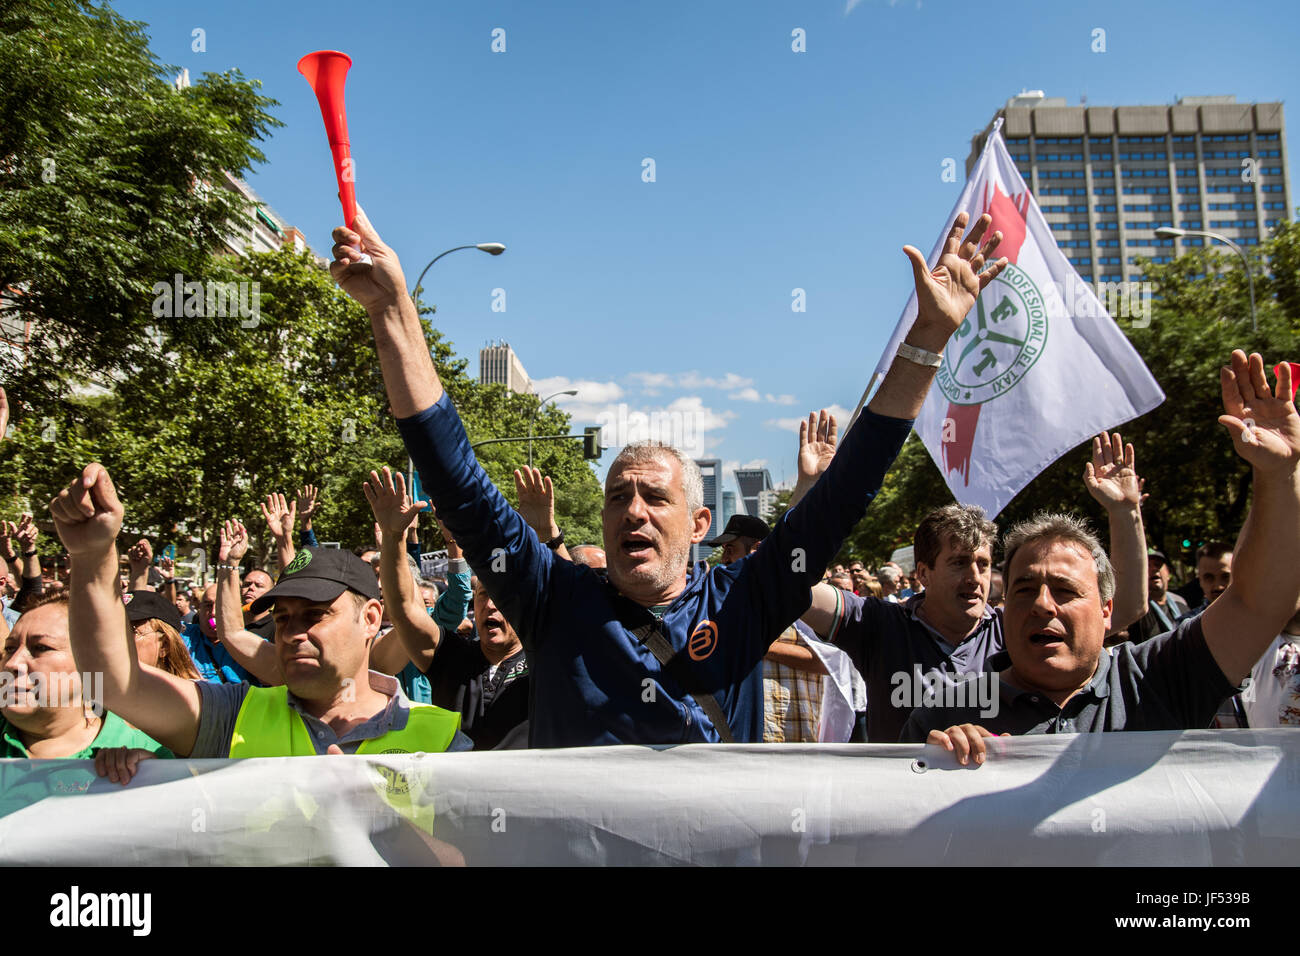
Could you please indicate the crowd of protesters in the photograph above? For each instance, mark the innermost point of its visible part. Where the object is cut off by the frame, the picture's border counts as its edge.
(526, 641)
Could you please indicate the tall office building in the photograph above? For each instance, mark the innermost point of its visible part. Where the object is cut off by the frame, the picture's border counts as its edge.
(711, 472)
(1106, 177)
(498, 365)
(728, 506)
(752, 482)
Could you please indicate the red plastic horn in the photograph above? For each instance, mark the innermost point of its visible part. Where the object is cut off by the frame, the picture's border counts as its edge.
(327, 71)
(1295, 375)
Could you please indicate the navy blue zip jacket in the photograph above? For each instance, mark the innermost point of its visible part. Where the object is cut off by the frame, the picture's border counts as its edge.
(594, 682)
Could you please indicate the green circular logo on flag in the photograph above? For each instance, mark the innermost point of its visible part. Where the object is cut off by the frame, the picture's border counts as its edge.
(300, 561)
(999, 342)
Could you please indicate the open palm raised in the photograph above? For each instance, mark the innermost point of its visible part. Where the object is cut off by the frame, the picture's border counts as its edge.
(1264, 425)
(945, 294)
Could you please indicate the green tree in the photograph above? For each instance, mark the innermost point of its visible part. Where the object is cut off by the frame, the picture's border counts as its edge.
(111, 181)
(197, 434)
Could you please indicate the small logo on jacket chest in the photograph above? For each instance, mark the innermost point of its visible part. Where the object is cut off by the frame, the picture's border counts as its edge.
(703, 640)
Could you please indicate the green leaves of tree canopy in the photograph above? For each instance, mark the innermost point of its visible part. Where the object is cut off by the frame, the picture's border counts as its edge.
(110, 181)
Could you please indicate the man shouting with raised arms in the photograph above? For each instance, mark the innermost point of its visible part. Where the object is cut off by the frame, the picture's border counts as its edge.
(658, 652)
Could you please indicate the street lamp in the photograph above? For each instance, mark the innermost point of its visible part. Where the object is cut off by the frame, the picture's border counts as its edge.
(532, 418)
(491, 248)
(1171, 232)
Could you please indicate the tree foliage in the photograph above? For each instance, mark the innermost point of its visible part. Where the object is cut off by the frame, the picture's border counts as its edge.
(195, 435)
(110, 180)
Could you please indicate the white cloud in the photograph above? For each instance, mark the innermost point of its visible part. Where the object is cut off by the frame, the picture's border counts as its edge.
(650, 380)
(729, 381)
(692, 380)
(686, 423)
(842, 416)
(779, 399)
(589, 392)
(745, 395)
(848, 7)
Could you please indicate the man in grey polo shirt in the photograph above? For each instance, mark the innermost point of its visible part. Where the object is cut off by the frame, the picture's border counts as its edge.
(1057, 677)
(949, 627)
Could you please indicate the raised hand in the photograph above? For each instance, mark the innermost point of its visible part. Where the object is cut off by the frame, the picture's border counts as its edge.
(378, 285)
(537, 502)
(1264, 425)
(391, 505)
(27, 533)
(280, 516)
(946, 293)
(1111, 477)
(167, 567)
(4, 414)
(140, 555)
(817, 438)
(7, 530)
(307, 502)
(88, 514)
(234, 542)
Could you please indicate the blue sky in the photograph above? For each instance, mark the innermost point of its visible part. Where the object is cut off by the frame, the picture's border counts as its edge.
(774, 170)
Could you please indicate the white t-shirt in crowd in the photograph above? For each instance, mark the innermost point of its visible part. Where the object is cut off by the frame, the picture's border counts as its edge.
(1273, 698)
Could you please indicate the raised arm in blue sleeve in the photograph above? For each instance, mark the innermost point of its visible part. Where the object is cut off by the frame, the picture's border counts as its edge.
(307, 539)
(449, 611)
(503, 551)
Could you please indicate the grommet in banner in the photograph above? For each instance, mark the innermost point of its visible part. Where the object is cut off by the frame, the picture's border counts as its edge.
(919, 766)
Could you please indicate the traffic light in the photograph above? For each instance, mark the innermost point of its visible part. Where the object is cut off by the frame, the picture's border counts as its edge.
(1187, 543)
(591, 443)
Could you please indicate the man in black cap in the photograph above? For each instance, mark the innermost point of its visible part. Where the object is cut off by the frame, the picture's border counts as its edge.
(740, 537)
(327, 613)
(1164, 607)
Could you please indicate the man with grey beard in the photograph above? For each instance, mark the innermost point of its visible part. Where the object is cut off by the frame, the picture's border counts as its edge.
(657, 652)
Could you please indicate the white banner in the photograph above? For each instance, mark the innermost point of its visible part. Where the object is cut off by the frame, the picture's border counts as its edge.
(1171, 799)
(1039, 365)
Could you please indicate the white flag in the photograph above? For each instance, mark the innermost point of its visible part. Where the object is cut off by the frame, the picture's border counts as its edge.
(1037, 367)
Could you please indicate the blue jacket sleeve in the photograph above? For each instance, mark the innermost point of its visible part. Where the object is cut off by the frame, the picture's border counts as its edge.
(451, 606)
(781, 573)
(503, 551)
(307, 539)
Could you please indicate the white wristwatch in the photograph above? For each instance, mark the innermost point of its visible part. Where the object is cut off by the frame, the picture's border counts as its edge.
(919, 356)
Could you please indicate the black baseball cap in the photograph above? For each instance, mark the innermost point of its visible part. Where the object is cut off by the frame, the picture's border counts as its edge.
(320, 575)
(141, 606)
(1153, 553)
(746, 526)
